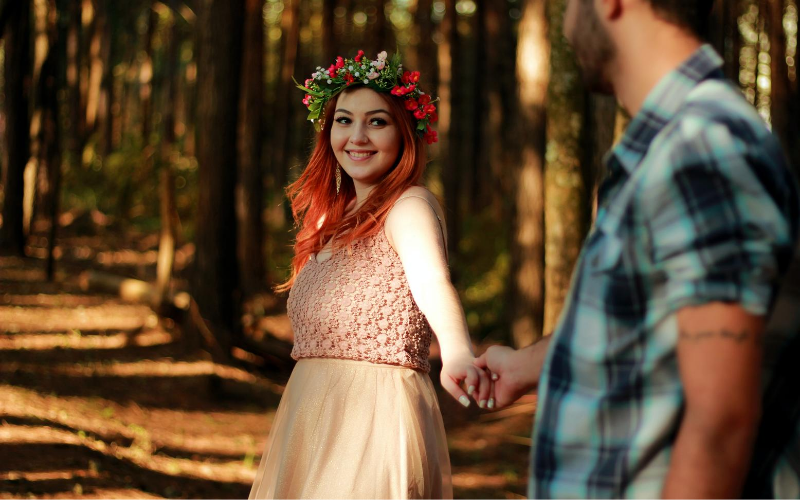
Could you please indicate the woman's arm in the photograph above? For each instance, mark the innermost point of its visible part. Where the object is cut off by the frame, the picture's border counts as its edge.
(414, 232)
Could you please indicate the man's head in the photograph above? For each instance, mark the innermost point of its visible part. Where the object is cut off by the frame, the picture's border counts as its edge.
(588, 24)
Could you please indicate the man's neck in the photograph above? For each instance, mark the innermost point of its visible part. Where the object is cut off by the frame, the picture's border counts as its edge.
(645, 58)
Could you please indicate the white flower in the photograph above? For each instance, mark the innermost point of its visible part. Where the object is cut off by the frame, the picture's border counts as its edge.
(382, 56)
(373, 75)
(379, 64)
(366, 81)
(357, 74)
(330, 81)
(350, 68)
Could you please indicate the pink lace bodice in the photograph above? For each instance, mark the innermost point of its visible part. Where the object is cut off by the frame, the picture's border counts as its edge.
(357, 305)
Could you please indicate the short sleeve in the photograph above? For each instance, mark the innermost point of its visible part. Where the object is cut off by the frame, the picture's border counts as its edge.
(714, 229)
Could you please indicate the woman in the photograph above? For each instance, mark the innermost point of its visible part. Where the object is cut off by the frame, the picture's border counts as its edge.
(359, 417)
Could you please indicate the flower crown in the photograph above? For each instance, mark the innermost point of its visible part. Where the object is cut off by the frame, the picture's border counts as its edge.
(379, 75)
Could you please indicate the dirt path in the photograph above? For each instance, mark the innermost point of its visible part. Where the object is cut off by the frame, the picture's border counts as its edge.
(98, 400)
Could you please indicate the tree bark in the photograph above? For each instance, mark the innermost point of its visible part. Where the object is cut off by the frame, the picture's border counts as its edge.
(251, 183)
(565, 175)
(74, 146)
(290, 25)
(782, 103)
(17, 74)
(527, 246)
(216, 272)
(448, 125)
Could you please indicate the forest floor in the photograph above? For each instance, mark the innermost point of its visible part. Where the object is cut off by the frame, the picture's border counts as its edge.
(100, 399)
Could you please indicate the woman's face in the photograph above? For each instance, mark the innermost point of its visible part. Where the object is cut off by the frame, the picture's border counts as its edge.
(365, 137)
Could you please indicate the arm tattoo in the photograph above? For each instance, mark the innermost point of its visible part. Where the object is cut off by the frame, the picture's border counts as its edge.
(724, 333)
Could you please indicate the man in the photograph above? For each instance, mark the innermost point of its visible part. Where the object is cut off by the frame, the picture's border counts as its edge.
(651, 384)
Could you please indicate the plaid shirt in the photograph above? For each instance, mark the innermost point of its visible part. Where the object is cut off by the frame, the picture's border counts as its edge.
(698, 206)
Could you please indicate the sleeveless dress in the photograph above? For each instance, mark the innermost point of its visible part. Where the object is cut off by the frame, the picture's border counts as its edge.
(359, 417)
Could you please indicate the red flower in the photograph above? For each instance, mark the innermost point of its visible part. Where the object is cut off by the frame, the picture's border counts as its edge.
(424, 99)
(348, 78)
(307, 100)
(430, 135)
(339, 62)
(309, 81)
(411, 104)
(434, 117)
(406, 78)
(332, 69)
(399, 91)
(429, 108)
(359, 56)
(419, 114)
(414, 77)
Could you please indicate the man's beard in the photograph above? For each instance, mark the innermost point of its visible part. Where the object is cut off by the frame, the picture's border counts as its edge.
(594, 49)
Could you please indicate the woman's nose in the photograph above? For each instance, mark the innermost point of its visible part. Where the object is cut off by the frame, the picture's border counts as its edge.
(359, 135)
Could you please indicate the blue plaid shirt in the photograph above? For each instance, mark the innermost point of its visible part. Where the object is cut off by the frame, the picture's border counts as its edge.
(698, 206)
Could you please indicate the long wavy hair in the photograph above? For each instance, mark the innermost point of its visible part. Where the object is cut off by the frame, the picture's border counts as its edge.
(313, 196)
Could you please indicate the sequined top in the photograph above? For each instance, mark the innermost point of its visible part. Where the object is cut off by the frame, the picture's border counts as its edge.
(357, 305)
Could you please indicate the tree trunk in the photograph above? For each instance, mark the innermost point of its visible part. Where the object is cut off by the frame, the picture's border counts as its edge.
(779, 75)
(216, 272)
(565, 176)
(74, 137)
(251, 180)
(96, 71)
(328, 34)
(527, 246)
(290, 25)
(17, 74)
(448, 125)
(146, 77)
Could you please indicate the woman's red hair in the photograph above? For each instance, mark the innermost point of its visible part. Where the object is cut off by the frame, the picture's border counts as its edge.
(314, 199)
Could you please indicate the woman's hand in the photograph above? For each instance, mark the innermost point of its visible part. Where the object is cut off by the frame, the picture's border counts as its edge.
(462, 369)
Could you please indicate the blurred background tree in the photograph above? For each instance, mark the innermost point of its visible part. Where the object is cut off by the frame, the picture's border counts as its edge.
(172, 126)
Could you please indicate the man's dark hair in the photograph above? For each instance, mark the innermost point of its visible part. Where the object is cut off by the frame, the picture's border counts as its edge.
(693, 15)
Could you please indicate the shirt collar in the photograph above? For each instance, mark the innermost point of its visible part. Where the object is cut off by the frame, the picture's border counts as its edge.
(661, 105)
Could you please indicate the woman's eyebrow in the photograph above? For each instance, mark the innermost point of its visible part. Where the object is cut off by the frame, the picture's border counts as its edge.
(342, 110)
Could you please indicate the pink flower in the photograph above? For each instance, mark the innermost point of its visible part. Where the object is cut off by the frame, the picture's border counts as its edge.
(411, 104)
(309, 81)
(359, 56)
(307, 100)
(373, 75)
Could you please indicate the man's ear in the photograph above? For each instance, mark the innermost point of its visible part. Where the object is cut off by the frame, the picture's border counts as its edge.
(611, 10)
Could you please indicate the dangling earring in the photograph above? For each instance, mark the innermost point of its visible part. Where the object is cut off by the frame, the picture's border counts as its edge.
(338, 178)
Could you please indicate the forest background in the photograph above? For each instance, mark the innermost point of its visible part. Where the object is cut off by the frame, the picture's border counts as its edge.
(147, 144)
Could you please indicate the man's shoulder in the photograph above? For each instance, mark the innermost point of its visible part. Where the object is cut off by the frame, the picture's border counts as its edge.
(715, 126)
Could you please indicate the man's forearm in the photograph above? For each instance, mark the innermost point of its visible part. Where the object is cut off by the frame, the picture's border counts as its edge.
(710, 463)
(531, 360)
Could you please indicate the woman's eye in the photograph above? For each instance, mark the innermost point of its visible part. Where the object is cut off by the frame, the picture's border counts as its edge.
(377, 122)
(343, 120)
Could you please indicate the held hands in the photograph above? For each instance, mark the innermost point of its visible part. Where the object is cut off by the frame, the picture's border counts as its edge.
(462, 369)
(510, 373)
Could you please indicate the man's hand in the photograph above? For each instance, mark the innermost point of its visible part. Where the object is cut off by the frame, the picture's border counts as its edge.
(515, 373)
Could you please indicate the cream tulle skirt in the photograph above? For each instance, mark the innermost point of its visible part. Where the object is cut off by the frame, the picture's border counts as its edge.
(354, 429)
